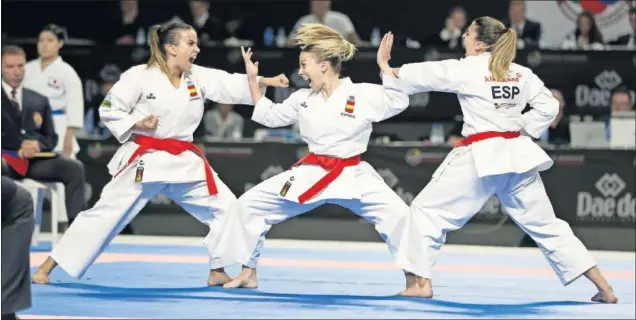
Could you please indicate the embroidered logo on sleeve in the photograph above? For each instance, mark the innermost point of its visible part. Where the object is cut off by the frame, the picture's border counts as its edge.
(106, 102)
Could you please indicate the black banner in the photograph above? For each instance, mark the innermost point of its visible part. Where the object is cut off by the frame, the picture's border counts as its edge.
(585, 187)
(585, 78)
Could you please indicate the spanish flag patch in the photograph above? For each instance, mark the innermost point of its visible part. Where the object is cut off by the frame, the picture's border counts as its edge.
(192, 89)
(351, 102)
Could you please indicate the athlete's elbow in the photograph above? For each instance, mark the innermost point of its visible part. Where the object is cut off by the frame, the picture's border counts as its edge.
(553, 108)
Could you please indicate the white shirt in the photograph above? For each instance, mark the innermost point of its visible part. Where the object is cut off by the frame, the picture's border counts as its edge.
(143, 91)
(452, 38)
(18, 94)
(326, 125)
(200, 21)
(336, 20)
(62, 86)
(339, 126)
(230, 127)
(489, 105)
(60, 83)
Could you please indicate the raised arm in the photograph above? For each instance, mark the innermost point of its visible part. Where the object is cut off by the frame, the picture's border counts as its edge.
(545, 107)
(116, 111)
(266, 112)
(223, 87)
(441, 76)
(423, 76)
(386, 100)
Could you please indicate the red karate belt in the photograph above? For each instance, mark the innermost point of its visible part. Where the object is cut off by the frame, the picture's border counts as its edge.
(486, 135)
(20, 165)
(331, 164)
(174, 147)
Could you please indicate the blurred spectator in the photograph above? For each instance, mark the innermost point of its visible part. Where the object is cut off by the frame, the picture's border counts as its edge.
(108, 76)
(209, 28)
(621, 102)
(451, 35)
(52, 77)
(559, 130)
(28, 129)
(628, 39)
(130, 29)
(455, 133)
(451, 137)
(222, 122)
(586, 36)
(17, 229)
(321, 13)
(528, 31)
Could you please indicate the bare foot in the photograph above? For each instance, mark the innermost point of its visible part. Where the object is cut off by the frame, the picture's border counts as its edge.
(41, 277)
(607, 296)
(420, 287)
(247, 279)
(218, 277)
(410, 279)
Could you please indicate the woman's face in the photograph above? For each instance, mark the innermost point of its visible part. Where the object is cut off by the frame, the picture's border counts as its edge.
(312, 70)
(584, 25)
(186, 51)
(471, 44)
(48, 45)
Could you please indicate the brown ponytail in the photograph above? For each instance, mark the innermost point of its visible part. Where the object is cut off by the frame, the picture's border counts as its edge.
(503, 54)
(157, 57)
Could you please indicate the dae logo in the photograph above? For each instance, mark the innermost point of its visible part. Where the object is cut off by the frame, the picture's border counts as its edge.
(606, 12)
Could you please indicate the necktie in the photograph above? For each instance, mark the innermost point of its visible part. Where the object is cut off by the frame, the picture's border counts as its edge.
(14, 100)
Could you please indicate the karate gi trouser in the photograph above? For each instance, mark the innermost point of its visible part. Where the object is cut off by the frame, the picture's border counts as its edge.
(253, 214)
(121, 200)
(456, 193)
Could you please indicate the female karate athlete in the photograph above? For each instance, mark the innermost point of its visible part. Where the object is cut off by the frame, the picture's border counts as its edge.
(493, 159)
(50, 76)
(335, 117)
(161, 104)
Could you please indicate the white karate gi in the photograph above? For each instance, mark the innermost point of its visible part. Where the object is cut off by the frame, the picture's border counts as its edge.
(508, 168)
(60, 83)
(329, 128)
(143, 91)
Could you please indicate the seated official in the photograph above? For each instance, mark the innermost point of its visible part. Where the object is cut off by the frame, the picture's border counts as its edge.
(17, 229)
(28, 129)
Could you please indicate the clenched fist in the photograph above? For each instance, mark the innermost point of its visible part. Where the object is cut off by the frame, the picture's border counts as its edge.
(148, 123)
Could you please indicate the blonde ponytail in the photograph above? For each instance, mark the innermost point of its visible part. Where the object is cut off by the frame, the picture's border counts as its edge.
(503, 54)
(326, 43)
(157, 57)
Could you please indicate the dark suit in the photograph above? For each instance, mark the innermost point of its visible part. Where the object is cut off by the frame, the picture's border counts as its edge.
(531, 33)
(622, 40)
(34, 122)
(17, 230)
